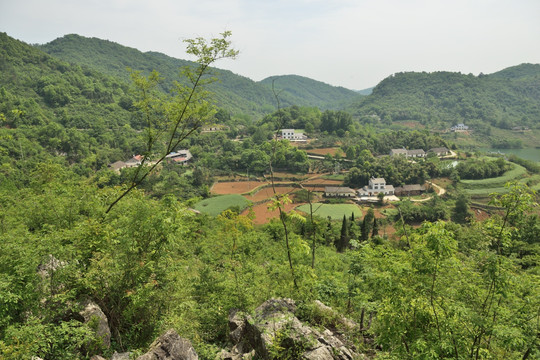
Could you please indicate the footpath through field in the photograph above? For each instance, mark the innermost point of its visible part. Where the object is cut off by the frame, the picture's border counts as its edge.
(440, 192)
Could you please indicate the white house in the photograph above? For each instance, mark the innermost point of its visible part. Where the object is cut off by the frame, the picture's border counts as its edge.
(459, 127)
(376, 186)
(408, 153)
(292, 135)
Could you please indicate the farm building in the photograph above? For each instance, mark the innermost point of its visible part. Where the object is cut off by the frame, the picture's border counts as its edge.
(375, 186)
(180, 157)
(408, 190)
(339, 191)
(408, 153)
(440, 151)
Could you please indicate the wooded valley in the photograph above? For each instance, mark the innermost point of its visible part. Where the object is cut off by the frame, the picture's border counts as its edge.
(166, 194)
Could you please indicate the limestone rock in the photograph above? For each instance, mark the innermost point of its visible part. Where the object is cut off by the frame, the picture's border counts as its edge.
(92, 312)
(121, 356)
(170, 346)
(274, 327)
(97, 357)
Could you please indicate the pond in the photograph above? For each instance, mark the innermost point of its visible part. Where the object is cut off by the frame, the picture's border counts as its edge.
(532, 154)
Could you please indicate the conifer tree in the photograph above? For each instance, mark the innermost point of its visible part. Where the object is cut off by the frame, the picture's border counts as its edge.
(375, 231)
(343, 241)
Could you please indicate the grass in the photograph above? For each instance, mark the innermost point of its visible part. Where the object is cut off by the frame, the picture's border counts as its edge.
(496, 182)
(216, 205)
(335, 211)
(339, 177)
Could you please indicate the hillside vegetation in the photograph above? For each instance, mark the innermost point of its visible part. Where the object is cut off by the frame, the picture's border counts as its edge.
(235, 93)
(504, 100)
(152, 249)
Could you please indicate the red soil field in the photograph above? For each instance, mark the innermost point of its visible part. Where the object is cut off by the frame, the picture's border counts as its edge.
(263, 215)
(267, 193)
(235, 187)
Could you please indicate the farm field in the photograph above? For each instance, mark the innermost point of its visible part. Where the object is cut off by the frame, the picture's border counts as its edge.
(215, 205)
(268, 192)
(335, 211)
(323, 151)
(263, 214)
(484, 192)
(514, 174)
(235, 187)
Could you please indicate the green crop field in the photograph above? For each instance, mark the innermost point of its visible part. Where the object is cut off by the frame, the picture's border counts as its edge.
(215, 205)
(485, 191)
(335, 211)
(496, 182)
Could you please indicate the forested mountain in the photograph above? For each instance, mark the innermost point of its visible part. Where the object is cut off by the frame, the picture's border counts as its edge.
(50, 106)
(234, 93)
(315, 92)
(529, 72)
(439, 100)
(505, 99)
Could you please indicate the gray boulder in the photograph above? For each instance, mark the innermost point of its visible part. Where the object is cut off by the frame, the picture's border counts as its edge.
(94, 316)
(170, 346)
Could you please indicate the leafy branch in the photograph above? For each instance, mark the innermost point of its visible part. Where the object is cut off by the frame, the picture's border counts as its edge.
(173, 120)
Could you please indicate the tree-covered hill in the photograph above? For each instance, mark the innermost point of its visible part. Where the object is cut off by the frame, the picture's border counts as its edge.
(235, 93)
(312, 91)
(439, 100)
(523, 71)
(49, 106)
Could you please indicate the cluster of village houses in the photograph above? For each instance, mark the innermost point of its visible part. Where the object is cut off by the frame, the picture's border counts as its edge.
(371, 191)
(367, 193)
(376, 186)
(181, 157)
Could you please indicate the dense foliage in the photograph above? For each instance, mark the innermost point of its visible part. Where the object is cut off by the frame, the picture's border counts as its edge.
(434, 289)
(481, 169)
(510, 98)
(234, 93)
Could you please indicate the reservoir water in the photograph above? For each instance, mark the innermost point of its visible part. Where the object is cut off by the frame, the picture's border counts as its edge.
(532, 154)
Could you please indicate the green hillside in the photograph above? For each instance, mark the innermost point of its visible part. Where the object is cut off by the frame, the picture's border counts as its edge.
(308, 91)
(504, 100)
(523, 71)
(233, 92)
(50, 107)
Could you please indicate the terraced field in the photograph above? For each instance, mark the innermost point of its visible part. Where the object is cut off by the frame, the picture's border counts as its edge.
(483, 187)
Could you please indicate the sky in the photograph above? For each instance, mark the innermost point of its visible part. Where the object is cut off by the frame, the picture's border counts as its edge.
(349, 43)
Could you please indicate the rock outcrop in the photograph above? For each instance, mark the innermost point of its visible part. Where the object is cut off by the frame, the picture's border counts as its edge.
(94, 316)
(170, 346)
(274, 329)
(121, 356)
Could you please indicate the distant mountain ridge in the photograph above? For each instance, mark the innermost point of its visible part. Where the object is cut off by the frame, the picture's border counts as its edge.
(233, 92)
(505, 99)
(75, 72)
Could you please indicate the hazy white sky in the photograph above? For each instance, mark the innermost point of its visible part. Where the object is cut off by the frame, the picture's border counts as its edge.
(350, 43)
